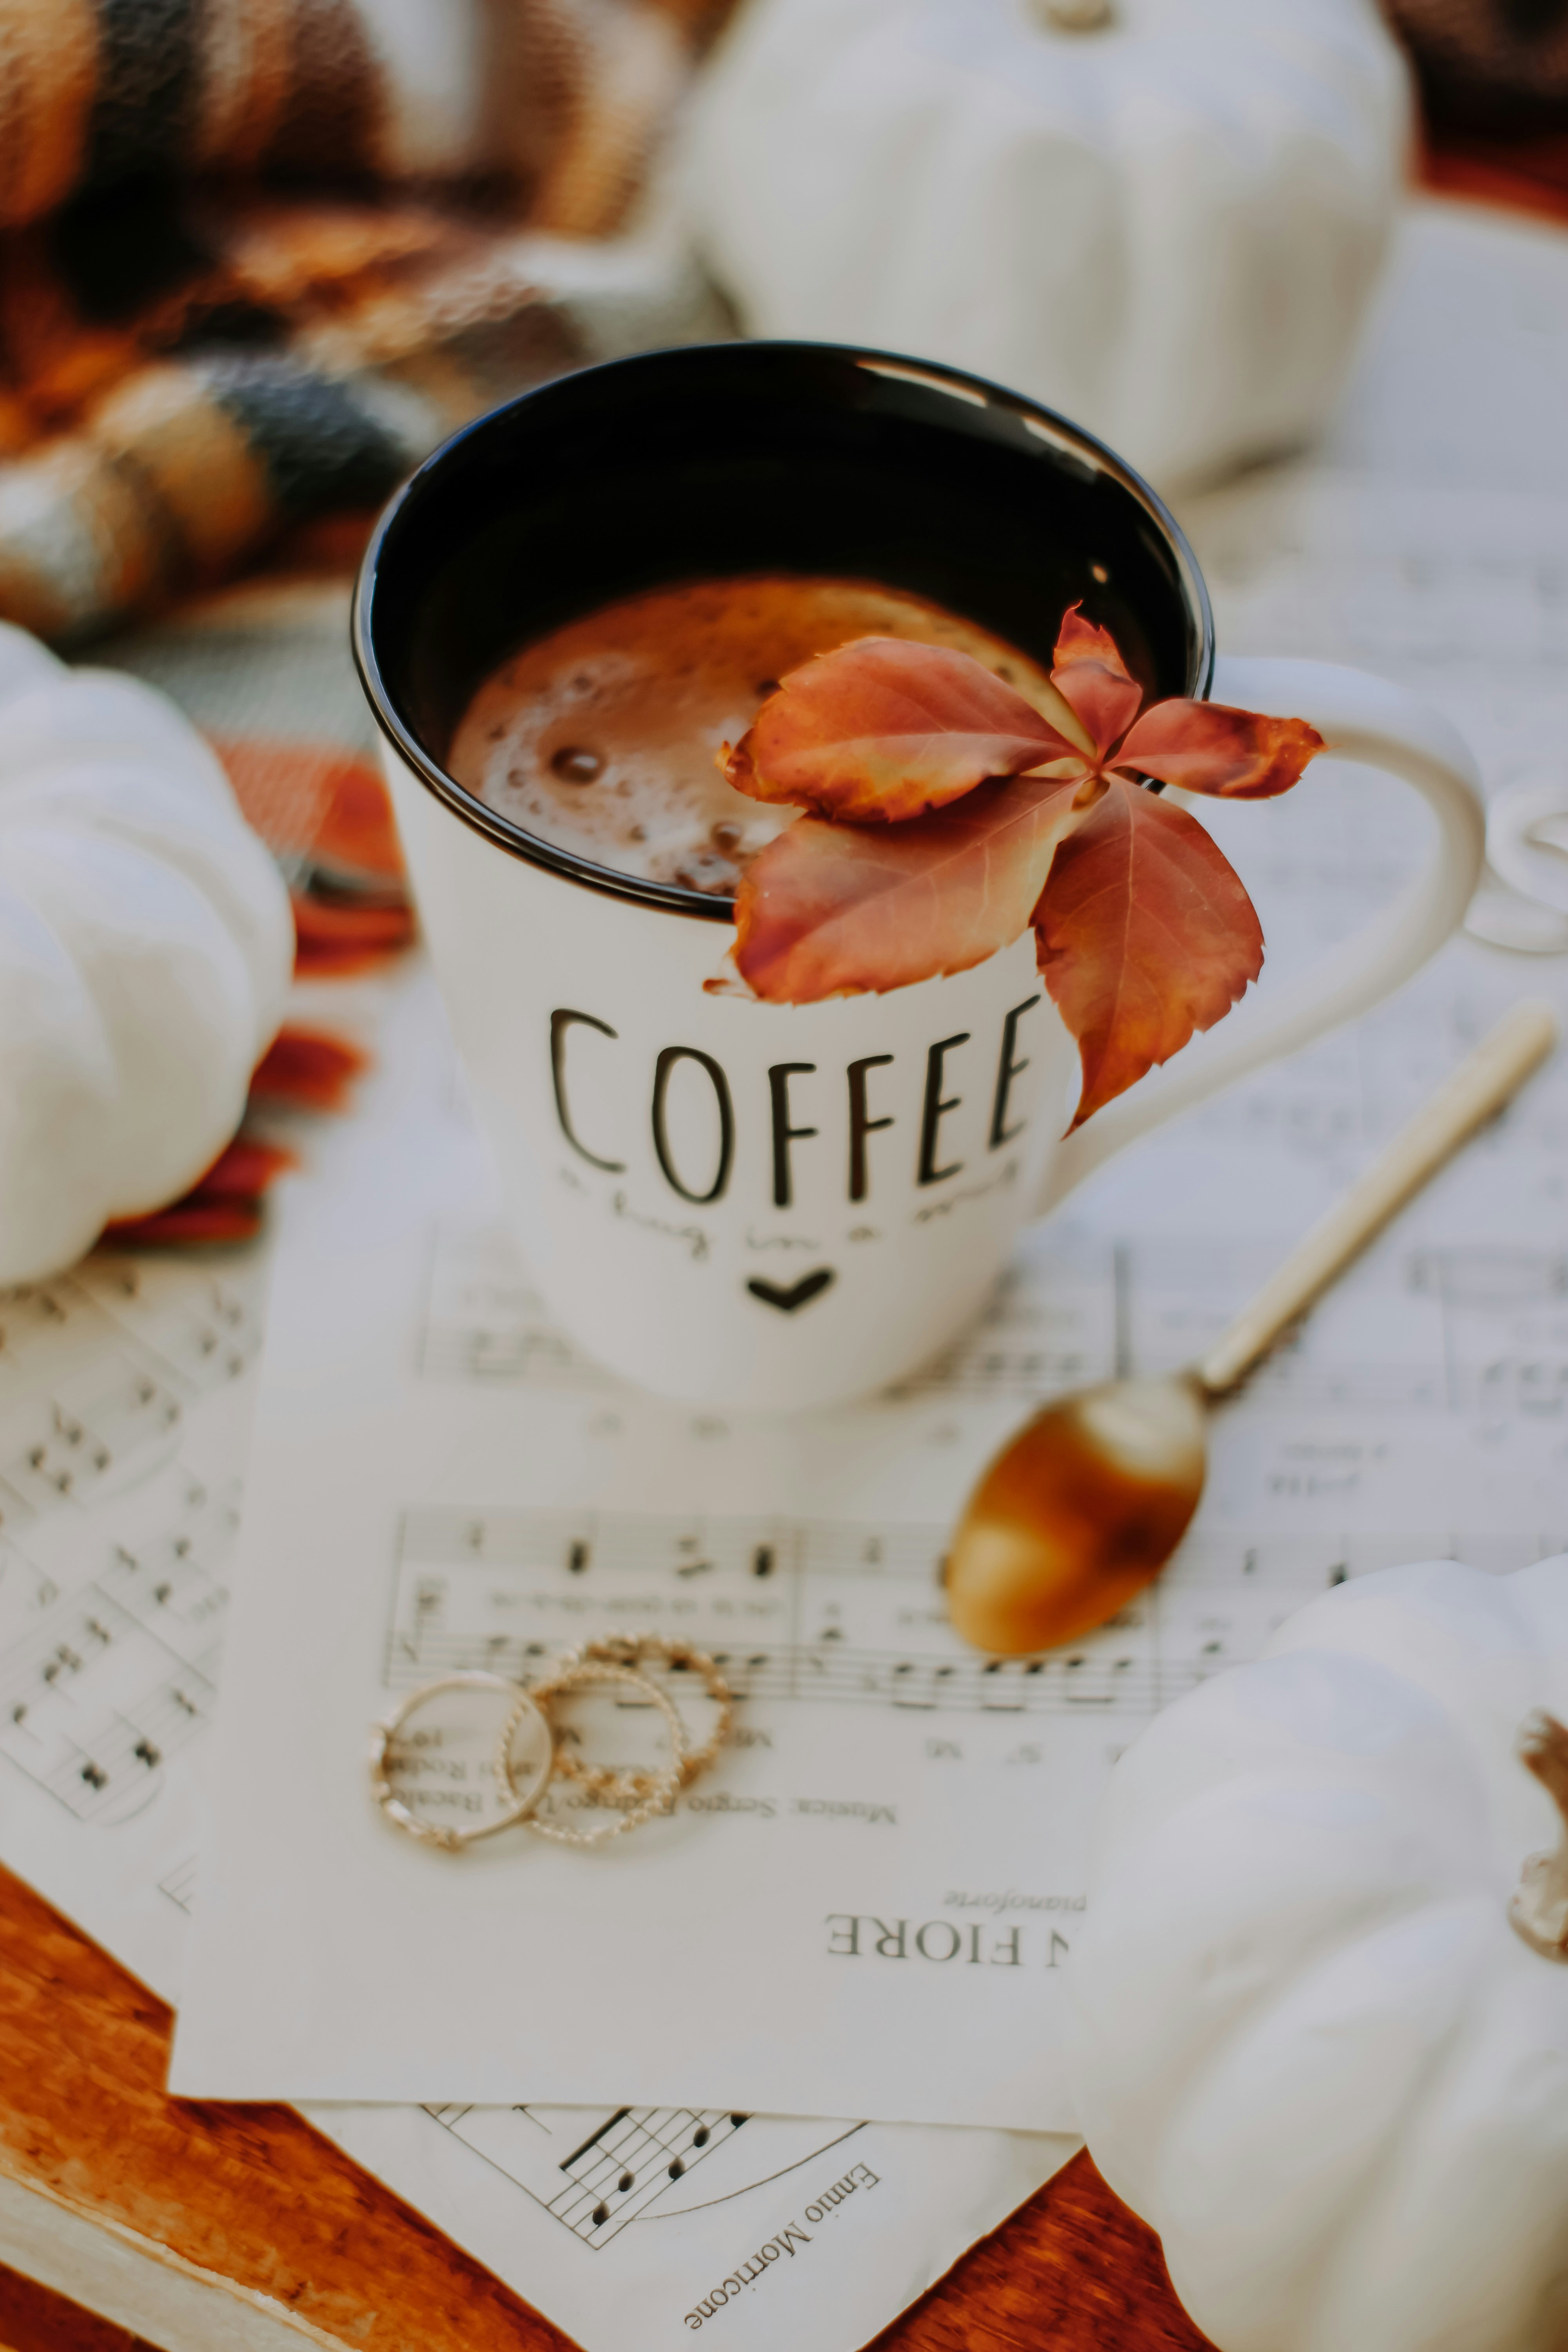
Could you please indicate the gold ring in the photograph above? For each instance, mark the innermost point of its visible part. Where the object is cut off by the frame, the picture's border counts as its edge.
(653, 1790)
(680, 1657)
(520, 1802)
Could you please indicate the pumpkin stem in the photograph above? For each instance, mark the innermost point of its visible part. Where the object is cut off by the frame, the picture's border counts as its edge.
(1540, 1907)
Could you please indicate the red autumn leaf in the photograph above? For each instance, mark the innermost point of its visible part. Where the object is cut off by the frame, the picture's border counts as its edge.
(224, 1205)
(195, 1222)
(837, 909)
(883, 730)
(942, 800)
(1145, 934)
(308, 1069)
(1204, 747)
(1090, 673)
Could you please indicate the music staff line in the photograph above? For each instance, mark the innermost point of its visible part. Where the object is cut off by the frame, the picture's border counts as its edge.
(97, 1371)
(805, 1610)
(103, 1768)
(1077, 1313)
(184, 1327)
(1531, 1381)
(621, 2169)
(576, 1552)
(691, 1548)
(1072, 1684)
(119, 1675)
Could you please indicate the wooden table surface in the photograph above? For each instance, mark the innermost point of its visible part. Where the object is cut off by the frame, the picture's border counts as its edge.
(254, 2195)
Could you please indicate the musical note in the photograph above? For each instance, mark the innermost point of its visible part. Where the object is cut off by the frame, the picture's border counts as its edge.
(630, 2157)
(852, 1586)
(197, 1329)
(100, 1686)
(98, 1432)
(92, 1706)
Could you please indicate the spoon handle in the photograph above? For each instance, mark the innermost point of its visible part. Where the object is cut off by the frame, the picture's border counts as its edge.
(1483, 1082)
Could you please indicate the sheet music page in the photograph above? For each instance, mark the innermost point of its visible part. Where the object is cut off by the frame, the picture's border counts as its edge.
(828, 1896)
(892, 1858)
(126, 1389)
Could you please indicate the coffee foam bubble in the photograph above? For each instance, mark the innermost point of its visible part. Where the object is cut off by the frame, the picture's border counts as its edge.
(649, 689)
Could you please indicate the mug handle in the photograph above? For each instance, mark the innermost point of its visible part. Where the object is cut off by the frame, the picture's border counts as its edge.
(1381, 726)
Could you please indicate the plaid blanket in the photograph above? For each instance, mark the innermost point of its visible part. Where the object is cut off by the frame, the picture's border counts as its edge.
(561, 94)
(257, 256)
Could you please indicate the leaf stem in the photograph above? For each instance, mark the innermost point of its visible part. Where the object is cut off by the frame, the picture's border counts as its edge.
(1538, 1910)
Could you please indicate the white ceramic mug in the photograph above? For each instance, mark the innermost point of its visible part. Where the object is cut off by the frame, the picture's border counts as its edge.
(778, 1206)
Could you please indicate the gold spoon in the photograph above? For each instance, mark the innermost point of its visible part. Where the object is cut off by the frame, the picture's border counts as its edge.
(1088, 1502)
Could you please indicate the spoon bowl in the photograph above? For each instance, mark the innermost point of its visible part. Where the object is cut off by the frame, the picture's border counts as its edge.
(1078, 1511)
(1086, 1504)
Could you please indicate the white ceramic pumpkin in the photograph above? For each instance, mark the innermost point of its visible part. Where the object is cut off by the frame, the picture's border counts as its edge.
(1165, 228)
(145, 948)
(1310, 2047)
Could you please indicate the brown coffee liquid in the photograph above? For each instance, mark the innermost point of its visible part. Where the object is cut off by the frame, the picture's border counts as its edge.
(601, 737)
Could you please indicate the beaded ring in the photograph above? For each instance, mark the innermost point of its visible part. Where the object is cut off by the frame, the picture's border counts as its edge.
(521, 1802)
(651, 1792)
(631, 1650)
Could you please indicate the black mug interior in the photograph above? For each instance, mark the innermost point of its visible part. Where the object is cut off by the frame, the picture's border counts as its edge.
(723, 458)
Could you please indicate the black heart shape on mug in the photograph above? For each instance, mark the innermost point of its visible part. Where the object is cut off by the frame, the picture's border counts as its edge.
(799, 1294)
